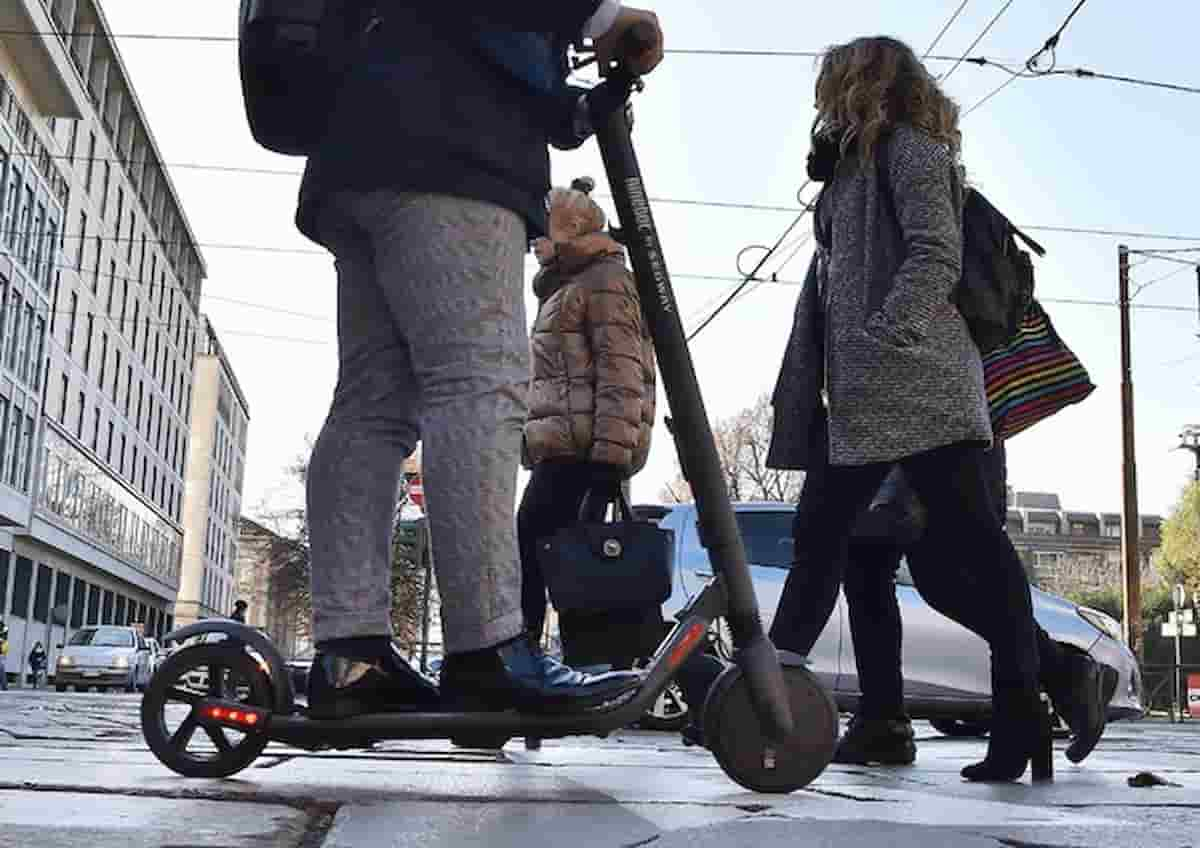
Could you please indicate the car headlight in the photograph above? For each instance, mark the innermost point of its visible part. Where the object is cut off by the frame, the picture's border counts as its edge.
(1103, 622)
(121, 662)
(65, 660)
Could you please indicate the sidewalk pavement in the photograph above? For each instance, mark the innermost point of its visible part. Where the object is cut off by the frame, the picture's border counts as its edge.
(74, 772)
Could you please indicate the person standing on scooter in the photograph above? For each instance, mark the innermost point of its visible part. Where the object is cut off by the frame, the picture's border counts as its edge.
(881, 731)
(880, 369)
(429, 181)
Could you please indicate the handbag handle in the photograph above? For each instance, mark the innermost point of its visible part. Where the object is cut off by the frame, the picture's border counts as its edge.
(624, 510)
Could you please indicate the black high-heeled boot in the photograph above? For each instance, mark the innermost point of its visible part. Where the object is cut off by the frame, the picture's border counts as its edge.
(1012, 741)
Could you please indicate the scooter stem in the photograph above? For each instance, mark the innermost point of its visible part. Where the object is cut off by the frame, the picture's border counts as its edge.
(698, 456)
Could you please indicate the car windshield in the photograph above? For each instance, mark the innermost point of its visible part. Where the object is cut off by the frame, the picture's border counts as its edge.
(103, 637)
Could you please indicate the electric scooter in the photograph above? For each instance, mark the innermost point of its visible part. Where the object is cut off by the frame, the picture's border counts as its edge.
(215, 704)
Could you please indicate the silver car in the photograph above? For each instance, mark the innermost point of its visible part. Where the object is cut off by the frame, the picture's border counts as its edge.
(104, 656)
(946, 667)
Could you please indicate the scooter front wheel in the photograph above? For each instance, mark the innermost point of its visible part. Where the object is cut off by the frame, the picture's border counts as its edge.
(732, 733)
(185, 741)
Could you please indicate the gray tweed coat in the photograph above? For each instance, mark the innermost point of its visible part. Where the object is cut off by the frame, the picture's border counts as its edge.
(899, 368)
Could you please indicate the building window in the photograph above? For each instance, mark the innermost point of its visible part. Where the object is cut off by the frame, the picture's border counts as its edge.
(96, 264)
(87, 344)
(112, 286)
(78, 600)
(109, 452)
(124, 303)
(22, 576)
(128, 388)
(120, 210)
(91, 161)
(82, 242)
(106, 614)
(16, 314)
(62, 401)
(41, 350)
(103, 358)
(79, 420)
(26, 458)
(107, 186)
(71, 325)
(12, 453)
(96, 432)
(121, 470)
(116, 378)
(137, 312)
(129, 244)
(41, 595)
(26, 356)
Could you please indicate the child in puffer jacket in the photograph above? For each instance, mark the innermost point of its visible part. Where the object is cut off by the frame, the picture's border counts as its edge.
(591, 410)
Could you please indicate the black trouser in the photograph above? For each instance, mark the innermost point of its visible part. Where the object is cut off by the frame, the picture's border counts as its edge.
(990, 597)
(875, 626)
(552, 500)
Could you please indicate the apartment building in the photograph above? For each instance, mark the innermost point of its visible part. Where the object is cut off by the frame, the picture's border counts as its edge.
(216, 463)
(102, 283)
(1073, 552)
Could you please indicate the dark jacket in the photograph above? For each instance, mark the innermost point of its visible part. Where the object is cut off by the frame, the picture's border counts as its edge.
(457, 97)
(901, 371)
(592, 393)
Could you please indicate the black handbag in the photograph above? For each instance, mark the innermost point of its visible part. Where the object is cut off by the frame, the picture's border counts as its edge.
(597, 565)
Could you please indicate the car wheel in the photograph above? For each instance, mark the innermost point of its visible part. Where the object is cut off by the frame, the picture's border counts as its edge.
(668, 712)
(61, 687)
(960, 728)
(79, 687)
(102, 689)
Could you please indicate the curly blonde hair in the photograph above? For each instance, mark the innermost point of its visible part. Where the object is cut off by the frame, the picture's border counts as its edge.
(867, 86)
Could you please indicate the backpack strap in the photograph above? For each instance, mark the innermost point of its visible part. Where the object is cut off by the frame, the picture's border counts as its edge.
(1030, 243)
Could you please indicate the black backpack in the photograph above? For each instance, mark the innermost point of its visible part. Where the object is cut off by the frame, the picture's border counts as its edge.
(291, 54)
(997, 279)
(996, 286)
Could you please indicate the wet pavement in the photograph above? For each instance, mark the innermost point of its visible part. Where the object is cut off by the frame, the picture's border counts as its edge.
(74, 771)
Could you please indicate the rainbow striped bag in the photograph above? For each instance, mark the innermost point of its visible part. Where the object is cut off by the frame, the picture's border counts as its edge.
(1033, 376)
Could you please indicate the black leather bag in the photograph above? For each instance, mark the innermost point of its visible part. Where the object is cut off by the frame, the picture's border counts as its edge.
(619, 565)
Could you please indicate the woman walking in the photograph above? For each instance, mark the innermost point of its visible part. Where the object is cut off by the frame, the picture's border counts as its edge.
(880, 369)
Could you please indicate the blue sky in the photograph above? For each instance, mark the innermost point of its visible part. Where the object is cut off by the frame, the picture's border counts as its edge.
(1057, 151)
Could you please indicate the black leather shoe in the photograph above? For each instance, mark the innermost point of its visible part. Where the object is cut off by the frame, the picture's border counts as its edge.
(340, 687)
(1081, 699)
(527, 679)
(878, 741)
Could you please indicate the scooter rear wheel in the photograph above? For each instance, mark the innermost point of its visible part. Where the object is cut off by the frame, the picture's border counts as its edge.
(731, 732)
(170, 719)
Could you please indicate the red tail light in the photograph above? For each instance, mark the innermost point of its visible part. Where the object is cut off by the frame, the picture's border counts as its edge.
(242, 717)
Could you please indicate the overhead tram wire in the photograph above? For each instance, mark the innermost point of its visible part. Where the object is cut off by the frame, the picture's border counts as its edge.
(978, 39)
(945, 29)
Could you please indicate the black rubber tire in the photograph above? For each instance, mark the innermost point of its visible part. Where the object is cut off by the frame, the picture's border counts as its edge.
(227, 654)
(79, 687)
(960, 728)
(731, 732)
(62, 687)
(664, 719)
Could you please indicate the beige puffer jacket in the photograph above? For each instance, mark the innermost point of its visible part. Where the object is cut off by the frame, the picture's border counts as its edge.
(592, 393)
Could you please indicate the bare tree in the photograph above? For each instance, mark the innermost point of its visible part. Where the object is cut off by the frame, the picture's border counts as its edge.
(742, 443)
(289, 559)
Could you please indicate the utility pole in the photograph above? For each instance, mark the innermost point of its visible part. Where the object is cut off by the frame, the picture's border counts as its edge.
(1131, 566)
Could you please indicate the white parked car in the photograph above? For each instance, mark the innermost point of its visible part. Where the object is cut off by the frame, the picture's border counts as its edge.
(104, 656)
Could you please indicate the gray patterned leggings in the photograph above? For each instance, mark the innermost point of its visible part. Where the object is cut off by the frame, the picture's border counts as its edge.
(432, 346)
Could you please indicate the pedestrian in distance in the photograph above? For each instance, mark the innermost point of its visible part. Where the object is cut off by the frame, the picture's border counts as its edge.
(428, 211)
(880, 369)
(37, 664)
(239, 611)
